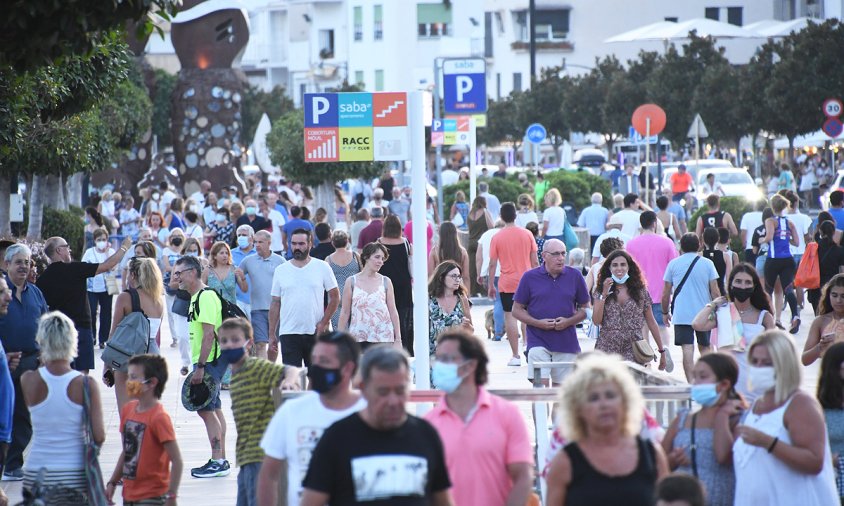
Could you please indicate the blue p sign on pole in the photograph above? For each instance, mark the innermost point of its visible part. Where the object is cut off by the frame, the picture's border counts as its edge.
(464, 86)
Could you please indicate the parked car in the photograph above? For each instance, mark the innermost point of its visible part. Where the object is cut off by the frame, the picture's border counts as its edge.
(735, 182)
(692, 167)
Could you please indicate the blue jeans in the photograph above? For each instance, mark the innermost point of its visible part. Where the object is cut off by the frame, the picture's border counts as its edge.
(247, 484)
(498, 313)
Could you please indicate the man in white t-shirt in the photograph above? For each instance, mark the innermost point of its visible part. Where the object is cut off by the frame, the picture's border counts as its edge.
(268, 211)
(297, 301)
(199, 195)
(628, 218)
(297, 426)
(750, 222)
(482, 262)
(167, 196)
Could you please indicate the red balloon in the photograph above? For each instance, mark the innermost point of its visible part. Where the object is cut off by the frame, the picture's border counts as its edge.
(652, 112)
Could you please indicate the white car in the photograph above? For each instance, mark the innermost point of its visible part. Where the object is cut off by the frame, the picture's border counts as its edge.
(692, 167)
(735, 182)
(837, 184)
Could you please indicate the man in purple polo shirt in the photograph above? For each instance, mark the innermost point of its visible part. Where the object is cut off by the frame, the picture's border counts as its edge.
(551, 299)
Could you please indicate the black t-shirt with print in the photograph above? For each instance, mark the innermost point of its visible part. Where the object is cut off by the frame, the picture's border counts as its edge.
(356, 464)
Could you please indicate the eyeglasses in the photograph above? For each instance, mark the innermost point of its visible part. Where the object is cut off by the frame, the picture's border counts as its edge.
(555, 253)
(177, 274)
(65, 245)
(456, 277)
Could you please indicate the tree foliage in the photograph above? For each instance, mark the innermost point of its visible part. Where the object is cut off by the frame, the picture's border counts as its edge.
(256, 102)
(34, 33)
(165, 83)
(286, 144)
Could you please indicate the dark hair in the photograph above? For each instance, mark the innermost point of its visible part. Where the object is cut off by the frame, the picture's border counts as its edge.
(723, 235)
(689, 242)
(449, 247)
(827, 231)
(370, 249)
(825, 216)
(647, 219)
(713, 201)
(436, 284)
(609, 245)
(830, 383)
(636, 284)
(339, 239)
(163, 186)
(96, 216)
(383, 358)
(836, 198)
(392, 227)
(191, 263)
(239, 323)
(825, 306)
(305, 231)
(323, 231)
(348, 349)
(224, 211)
(681, 487)
(306, 213)
(725, 367)
(792, 197)
(759, 298)
(710, 237)
(478, 203)
(148, 248)
(154, 366)
(295, 211)
(630, 199)
(779, 203)
(471, 348)
(508, 212)
(533, 228)
(662, 202)
(767, 213)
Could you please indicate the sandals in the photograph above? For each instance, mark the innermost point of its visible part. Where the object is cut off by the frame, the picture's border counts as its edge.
(795, 325)
(779, 325)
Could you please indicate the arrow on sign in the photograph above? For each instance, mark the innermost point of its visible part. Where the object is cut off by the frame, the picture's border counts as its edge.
(697, 129)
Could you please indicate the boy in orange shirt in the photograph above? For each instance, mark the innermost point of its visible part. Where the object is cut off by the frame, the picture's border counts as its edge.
(150, 464)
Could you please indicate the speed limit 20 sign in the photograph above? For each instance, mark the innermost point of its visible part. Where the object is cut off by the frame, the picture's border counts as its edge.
(832, 107)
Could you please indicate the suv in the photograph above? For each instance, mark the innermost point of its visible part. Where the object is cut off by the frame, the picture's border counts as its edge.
(735, 182)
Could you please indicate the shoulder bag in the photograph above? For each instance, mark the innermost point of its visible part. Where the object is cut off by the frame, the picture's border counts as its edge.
(682, 282)
(93, 473)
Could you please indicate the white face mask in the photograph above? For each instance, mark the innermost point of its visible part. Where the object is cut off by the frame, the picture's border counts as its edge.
(761, 379)
(101, 245)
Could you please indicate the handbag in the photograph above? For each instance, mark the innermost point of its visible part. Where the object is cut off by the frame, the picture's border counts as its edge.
(809, 271)
(569, 236)
(112, 286)
(93, 473)
(458, 220)
(643, 352)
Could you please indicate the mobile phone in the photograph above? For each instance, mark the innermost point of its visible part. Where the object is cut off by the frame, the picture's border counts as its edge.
(108, 378)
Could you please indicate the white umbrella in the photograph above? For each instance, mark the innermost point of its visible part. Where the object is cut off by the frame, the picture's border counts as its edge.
(667, 30)
(785, 28)
(637, 33)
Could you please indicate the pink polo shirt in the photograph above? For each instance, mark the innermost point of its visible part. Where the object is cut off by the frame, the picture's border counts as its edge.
(652, 252)
(477, 453)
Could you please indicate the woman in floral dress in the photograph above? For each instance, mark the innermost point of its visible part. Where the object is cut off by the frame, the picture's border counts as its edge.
(447, 302)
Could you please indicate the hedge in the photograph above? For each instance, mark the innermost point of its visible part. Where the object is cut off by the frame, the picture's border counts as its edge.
(66, 224)
(505, 190)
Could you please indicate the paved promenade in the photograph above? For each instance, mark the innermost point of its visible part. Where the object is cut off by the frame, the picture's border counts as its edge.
(223, 491)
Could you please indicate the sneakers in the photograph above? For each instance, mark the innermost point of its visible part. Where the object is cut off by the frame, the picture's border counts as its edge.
(13, 475)
(514, 362)
(669, 362)
(212, 469)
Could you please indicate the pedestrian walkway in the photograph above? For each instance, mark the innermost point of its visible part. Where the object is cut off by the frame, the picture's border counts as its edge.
(193, 442)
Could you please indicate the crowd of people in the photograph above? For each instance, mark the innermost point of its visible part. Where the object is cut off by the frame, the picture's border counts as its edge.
(246, 278)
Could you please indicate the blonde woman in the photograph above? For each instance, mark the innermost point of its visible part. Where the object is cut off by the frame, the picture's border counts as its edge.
(554, 216)
(460, 207)
(526, 213)
(606, 462)
(145, 278)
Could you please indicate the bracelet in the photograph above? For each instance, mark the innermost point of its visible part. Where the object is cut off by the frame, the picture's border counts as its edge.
(773, 444)
(112, 483)
(662, 350)
(200, 366)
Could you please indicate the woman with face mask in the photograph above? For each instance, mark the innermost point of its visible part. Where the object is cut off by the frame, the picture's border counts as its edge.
(781, 455)
(750, 315)
(701, 443)
(622, 307)
(98, 297)
(828, 328)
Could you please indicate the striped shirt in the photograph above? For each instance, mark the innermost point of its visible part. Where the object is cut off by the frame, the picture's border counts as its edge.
(252, 405)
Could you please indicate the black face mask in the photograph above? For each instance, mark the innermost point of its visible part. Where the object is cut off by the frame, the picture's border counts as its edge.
(740, 294)
(323, 380)
(176, 241)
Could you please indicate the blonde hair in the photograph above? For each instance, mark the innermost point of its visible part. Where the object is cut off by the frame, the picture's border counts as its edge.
(57, 337)
(589, 372)
(147, 275)
(553, 198)
(784, 357)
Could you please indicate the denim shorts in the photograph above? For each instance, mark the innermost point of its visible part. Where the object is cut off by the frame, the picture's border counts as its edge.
(216, 369)
(260, 325)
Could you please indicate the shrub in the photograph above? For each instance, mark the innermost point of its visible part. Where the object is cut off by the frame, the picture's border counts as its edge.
(577, 187)
(736, 206)
(505, 190)
(67, 224)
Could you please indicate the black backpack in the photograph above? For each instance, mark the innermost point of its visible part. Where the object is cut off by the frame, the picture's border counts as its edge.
(228, 310)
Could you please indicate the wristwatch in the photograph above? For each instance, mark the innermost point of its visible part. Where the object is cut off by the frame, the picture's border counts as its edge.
(200, 366)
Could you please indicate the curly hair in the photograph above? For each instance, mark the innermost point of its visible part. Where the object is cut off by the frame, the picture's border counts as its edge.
(636, 284)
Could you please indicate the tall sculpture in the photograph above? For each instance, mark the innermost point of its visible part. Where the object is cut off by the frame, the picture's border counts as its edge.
(209, 38)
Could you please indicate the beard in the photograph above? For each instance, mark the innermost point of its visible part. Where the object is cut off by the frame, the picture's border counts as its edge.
(299, 255)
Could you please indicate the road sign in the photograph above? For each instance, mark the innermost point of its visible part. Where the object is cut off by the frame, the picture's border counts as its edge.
(536, 133)
(464, 86)
(638, 139)
(450, 131)
(346, 127)
(833, 127)
(832, 107)
(697, 128)
(651, 112)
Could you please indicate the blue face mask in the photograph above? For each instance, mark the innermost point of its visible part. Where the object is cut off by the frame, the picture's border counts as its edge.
(705, 395)
(243, 241)
(621, 280)
(232, 355)
(251, 210)
(445, 377)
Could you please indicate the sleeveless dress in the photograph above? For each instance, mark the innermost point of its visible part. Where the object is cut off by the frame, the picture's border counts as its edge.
(591, 487)
(749, 332)
(761, 478)
(440, 320)
(476, 230)
(341, 273)
(622, 324)
(397, 270)
(370, 318)
(227, 287)
(718, 480)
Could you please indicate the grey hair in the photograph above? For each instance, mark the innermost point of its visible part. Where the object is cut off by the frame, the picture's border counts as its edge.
(57, 337)
(383, 358)
(597, 198)
(576, 257)
(263, 233)
(248, 228)
(191, 263)
(17, 249)
(483, 187)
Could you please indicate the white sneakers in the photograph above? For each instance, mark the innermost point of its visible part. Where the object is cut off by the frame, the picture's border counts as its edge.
(514, 362)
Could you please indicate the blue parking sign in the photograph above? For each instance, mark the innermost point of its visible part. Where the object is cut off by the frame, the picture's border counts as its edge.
(321, 110)
(464, 86)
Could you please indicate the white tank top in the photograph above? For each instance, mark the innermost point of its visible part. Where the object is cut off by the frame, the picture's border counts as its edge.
(154, 325)
(57, 431)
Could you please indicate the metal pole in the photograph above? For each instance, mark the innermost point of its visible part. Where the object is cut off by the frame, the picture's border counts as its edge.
(532, 24)
(647, 158)
(419, 266)
(473, 154)
(439, 149)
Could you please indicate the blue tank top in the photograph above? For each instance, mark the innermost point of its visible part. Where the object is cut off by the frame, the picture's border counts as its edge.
(780, 246)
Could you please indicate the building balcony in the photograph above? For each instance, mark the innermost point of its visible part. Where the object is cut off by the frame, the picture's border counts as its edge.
(545, 46)
(264, 55)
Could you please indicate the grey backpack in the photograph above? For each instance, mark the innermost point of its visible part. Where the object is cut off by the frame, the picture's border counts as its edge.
(130, 338)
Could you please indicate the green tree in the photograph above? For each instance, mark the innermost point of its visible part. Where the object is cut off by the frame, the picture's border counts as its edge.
(625, 92)
(256, 102)
(588, 106)
(165, 83)
(539, 104)
(717, 100)
(505, 121)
